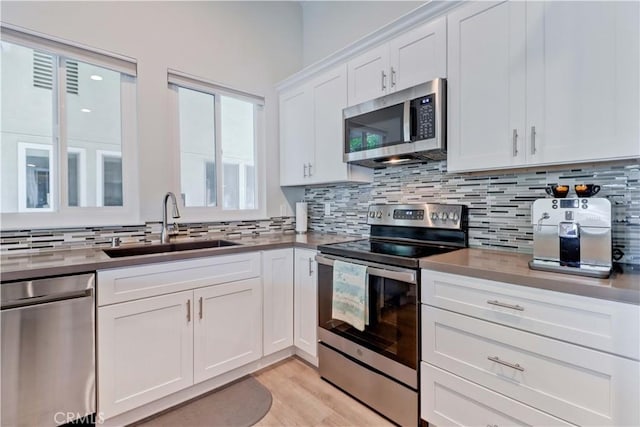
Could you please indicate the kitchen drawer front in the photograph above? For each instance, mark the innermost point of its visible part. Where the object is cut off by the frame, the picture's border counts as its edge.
(448, 400)
(609, 326)
(129, 283)
(577, 384)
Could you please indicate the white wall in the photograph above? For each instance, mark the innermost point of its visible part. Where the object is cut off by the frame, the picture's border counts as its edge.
(246, 45)
(331, 25)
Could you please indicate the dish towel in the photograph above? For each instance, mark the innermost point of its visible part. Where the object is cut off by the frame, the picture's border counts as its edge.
(350, 294)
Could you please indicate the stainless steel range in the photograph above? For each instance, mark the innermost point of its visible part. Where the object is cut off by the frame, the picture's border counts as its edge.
(379, 365)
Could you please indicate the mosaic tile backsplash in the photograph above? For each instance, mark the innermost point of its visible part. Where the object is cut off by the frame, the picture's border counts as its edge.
(83, 237)
(499, 202)
(499, 209)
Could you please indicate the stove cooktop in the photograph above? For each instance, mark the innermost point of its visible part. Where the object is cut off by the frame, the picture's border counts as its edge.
(384, 252)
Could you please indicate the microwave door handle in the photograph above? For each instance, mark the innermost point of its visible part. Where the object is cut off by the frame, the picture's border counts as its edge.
(406, 116)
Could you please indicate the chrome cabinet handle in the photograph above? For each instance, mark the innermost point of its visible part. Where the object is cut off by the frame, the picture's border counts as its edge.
(533, 140)
(304, 169)
(383, 79)
(505, 305)
(309, 168)
(200, 308)
(393, 77)
(515, 142)
(188, 310)
(310, 266)
(502, 362)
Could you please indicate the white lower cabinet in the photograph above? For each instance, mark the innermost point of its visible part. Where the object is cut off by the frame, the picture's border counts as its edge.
(151, 347)
(277, 285)
(487, 358)
(448, 400)
(306, 301)
(227, 327)
(145, 351)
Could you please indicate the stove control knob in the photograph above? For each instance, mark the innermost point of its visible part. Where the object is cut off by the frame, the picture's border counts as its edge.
(452, 216)
(372, 214)
(434, 215)
(455, 217)
(443, 216)
(379, 214)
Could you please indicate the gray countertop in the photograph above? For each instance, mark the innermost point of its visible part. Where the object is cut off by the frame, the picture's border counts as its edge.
(513, 268)
(23, 266)
(485, 264)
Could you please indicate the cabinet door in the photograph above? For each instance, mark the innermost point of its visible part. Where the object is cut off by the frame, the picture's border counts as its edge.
(306, 301)
(329, 94)
(277, 285)
(296, 145)
(369, 75)
(227, 327)
(419, 55)
(486, 86)
(582, 81)
(145, 351)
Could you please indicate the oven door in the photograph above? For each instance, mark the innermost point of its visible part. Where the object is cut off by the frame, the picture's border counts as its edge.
(389, 343)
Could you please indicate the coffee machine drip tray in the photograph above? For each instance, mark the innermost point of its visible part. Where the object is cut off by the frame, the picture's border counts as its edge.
(598, 271)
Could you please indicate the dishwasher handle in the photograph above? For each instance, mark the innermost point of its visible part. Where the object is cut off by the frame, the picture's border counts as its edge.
(41, 291)
(42, 299)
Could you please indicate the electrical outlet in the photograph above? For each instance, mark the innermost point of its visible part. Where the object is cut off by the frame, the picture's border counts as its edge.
(327, 209)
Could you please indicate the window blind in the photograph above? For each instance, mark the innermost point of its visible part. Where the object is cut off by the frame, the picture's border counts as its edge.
(202, 85)
(68, 49)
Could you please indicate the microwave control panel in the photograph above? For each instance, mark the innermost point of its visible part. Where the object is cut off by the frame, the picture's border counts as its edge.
(424, 111)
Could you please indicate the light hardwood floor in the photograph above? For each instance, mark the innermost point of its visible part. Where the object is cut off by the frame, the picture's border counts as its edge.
(302, 398)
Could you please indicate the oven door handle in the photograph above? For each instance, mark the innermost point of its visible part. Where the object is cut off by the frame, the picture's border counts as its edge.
(378, 270)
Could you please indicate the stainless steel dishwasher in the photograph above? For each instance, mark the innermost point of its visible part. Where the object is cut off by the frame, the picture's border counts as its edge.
(48, 350)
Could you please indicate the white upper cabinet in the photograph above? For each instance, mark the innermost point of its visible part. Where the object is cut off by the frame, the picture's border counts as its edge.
(311, 132)
(295, 136)
(537, 83)
(369, 75)
(418, 56)
(486, 85)
(414, 57)
(583, 80)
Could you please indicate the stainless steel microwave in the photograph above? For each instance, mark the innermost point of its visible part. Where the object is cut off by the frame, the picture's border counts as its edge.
(407, 126)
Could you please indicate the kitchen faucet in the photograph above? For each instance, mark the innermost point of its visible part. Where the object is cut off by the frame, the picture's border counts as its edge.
(164, 234)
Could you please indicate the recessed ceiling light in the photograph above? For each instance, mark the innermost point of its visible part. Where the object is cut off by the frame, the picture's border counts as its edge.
(85, 110)
(96, 77)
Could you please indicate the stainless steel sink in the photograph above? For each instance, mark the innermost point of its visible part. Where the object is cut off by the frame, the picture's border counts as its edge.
(167, 247)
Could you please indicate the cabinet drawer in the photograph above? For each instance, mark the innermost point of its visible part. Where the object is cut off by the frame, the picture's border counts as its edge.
(580, 385)
(448, 400)
(604, 325)
(129, 283)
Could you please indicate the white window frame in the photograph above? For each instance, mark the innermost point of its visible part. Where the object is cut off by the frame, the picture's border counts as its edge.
(177, 79)
(100, 155)
(82, 174)
(63, 215)
(22, 176)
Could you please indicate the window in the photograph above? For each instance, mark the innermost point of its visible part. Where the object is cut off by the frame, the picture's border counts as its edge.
(218, 132)
(54, 139)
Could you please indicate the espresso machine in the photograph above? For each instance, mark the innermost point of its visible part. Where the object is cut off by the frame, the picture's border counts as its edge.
(572, 236)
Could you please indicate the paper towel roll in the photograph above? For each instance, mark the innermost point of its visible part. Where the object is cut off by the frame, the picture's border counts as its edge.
(301, 217)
